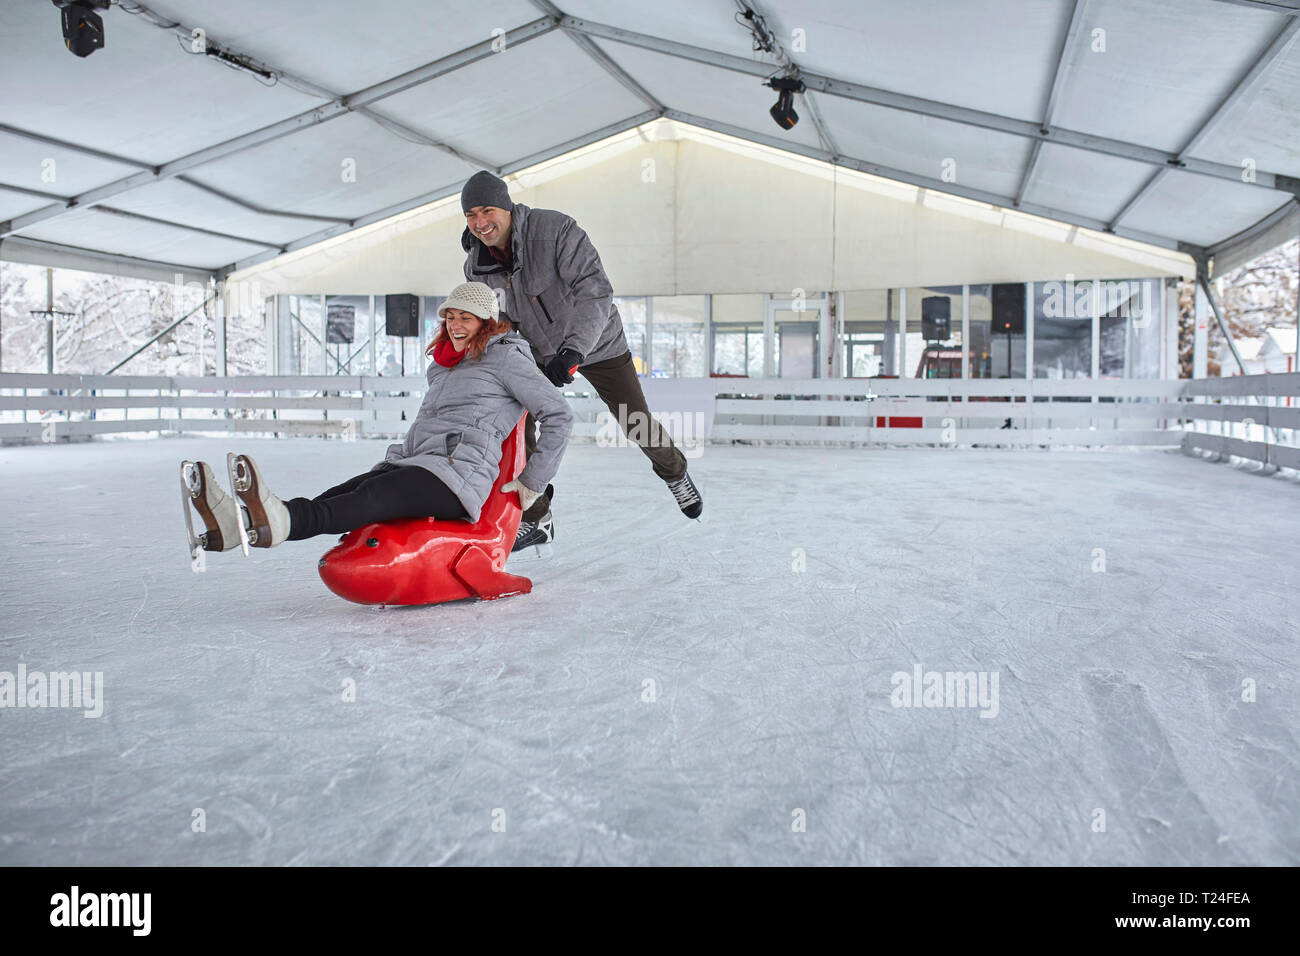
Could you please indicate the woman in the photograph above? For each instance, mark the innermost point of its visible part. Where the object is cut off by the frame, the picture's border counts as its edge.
(481, 381)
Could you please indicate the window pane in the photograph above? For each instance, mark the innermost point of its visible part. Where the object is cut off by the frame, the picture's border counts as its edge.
(997, 330)
(738, 349)
(933, 332)
(679, 347)
(633, 312)
(1063, 329)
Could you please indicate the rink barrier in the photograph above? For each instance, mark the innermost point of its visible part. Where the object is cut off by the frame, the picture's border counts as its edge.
(1244, 416)
(1250, 417)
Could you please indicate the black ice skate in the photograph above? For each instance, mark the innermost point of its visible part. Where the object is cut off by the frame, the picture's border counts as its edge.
(536, 534)
(687, 495)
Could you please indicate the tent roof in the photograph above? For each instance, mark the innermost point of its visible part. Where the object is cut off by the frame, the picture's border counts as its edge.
(1174, 125)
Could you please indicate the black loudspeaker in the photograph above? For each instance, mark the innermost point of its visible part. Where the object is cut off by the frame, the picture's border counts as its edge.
(340, 323)
(1009, 308)
(936, 318)
(402, 315)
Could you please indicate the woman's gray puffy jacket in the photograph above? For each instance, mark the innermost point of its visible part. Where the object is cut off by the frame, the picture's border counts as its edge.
(468, 411)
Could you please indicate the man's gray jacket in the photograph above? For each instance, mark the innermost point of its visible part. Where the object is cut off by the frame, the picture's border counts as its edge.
(556, 291)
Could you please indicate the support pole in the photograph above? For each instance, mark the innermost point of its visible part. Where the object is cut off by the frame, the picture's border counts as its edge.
(1202, 277)
(49, 321)
(158, 336)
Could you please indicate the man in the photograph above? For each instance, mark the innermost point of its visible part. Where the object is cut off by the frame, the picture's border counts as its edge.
(554, 288)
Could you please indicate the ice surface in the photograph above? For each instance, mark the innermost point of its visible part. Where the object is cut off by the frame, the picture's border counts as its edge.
(1119, 690)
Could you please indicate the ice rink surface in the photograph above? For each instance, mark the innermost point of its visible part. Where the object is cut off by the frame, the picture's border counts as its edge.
(672, 692)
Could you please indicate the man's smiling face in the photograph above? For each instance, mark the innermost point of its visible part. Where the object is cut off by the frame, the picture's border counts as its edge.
(490, 224)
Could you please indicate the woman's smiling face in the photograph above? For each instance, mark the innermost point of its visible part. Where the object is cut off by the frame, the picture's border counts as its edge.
(461, 327)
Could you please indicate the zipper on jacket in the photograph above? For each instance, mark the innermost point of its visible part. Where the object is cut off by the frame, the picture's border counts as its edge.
(545, 311)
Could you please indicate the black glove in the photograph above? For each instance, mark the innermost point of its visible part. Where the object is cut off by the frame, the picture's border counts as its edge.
(560, 369)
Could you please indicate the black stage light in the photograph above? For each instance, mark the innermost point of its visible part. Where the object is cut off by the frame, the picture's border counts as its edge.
(783, 111)
(83, 28)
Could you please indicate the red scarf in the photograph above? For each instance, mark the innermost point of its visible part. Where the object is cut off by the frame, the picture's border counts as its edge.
(445, 354)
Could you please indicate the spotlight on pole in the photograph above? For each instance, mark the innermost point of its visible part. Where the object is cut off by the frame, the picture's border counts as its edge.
(83, 28)
(783, 111)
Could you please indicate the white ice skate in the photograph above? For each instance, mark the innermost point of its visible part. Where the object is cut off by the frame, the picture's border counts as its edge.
(220, 513)
(266, 519)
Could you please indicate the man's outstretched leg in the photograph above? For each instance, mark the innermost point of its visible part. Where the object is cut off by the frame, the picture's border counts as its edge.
(615, 381)
(536, 527)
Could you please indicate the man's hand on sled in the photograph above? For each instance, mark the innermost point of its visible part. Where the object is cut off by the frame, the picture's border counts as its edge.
(560, 369)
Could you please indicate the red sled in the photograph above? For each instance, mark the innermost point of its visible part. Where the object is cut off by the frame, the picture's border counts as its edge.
(430, 560)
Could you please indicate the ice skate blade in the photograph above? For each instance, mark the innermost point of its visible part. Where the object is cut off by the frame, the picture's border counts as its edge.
(232, 468)
(534, 552)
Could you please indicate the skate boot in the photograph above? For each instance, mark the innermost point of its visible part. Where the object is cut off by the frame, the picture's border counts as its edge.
(219, 511)
(687, 495)
(266, 521)
(536, 534)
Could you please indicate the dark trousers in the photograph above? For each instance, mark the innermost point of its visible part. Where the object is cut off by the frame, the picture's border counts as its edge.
(394, 491)
(616, 382)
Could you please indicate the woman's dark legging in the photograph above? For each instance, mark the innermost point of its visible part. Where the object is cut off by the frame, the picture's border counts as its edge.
(389, 492)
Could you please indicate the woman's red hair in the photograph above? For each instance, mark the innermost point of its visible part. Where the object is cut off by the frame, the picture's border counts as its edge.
(478, 343)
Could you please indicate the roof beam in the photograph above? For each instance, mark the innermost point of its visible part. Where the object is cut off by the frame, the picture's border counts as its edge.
(1239, 90)
(925, 182)
(285, 127)
(301, 84)
(139, 164)
(935, 109)
(1288, 8)
(253, 207)
(40, 252)
(1058, 83)
(74, 147)
(1251, 231)
(127, 214)
(38, 193)
(445, 192)
(199, 230)
(589, 47)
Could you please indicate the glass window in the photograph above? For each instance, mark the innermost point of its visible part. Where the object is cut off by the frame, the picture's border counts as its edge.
(864, 349)
(306, 346)
(1063, 329)
(347, 334)
(738, 349)
(632, 310)
(934, 332)
(1130, 329)
(679, 346)
(997, 330)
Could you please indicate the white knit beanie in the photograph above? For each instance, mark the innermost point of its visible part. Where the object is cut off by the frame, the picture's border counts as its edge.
(473, 297)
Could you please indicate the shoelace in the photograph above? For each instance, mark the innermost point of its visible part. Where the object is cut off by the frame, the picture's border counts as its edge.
(684, 491)
(525, 527)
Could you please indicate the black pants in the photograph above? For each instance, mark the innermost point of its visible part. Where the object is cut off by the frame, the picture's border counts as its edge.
(615, 381)
(393, 491)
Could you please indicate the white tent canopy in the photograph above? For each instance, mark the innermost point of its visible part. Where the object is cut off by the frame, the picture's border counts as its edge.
(214, 137)
(679, 210)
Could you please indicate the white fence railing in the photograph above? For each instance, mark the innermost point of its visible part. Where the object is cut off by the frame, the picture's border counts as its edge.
(1252, 416)
(1247, 416)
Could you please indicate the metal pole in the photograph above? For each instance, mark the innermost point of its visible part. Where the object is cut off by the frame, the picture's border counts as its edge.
(1029, 329)
(1203, 279)
(157, 337)
(49, 321)
(965, 332)
(902, 333)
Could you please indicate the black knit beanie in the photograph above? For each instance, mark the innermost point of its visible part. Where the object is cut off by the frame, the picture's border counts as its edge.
(484, 189)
